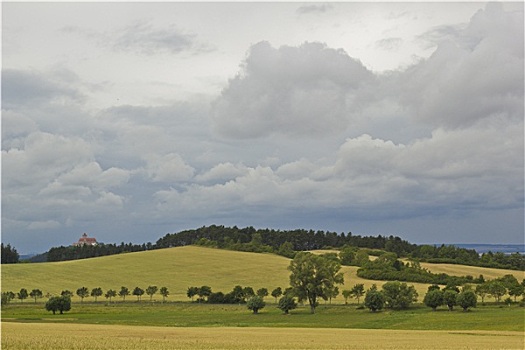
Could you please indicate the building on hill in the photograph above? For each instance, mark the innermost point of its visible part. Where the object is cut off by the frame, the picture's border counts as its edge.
(85, 240)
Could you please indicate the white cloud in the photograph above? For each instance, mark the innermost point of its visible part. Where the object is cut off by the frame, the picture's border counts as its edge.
(306, 90)
(168, 168)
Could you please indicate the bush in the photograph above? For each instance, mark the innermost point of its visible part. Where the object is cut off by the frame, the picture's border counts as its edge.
(287, 303)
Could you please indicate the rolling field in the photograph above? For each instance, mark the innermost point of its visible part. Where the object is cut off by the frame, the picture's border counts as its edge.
(181, 267)
(22, 336)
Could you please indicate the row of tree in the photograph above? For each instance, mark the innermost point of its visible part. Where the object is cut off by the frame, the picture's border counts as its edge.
(84, 292)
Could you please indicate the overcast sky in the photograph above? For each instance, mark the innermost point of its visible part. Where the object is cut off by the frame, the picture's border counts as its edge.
(131, 120)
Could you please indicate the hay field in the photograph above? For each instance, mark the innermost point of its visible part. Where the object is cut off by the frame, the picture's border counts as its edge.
(22, 336)
(175, 268)
(181, 267)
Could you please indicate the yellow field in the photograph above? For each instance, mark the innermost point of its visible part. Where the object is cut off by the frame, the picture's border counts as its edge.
(181, 267)
(175, 268)
(462, 270)
(45, 336)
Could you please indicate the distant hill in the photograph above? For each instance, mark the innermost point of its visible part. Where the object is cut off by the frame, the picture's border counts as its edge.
(503, 248)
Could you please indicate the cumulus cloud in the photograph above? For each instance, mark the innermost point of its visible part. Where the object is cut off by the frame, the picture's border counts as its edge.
(305, 90)
(474, 74)
(168, 168)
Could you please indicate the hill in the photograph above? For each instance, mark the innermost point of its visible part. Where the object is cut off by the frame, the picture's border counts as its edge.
(180, 267)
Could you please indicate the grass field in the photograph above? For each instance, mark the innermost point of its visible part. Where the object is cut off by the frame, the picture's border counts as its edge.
(186, 314)
(181, 267)
(23, 336)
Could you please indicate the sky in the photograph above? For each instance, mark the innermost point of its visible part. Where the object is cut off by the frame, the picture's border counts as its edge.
(128, 121)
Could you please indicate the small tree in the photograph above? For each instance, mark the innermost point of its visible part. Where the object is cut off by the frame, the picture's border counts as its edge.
(374, 300)
(433, 299)
(151, 290)
(358, 291)
(110, 294)
(262, 292)
(248, 292)
(287, 303)
(482, 290)
(124, 291)
(192, 292)
(66, 293)
(449, 298)
(496, 289)
(516, 290)
(7, 297)
(399, 295)
(138, 292)
(255, 303)
(60, 303)
(346, 294)
(467, 299)
(277, 292)
(82, 293)
(22, 294)
(164, 292)
(35, 294)
(96, 292)
(204, 292)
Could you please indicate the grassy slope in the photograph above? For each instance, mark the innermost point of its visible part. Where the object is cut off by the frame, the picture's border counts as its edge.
(181, 267)
(176, 268)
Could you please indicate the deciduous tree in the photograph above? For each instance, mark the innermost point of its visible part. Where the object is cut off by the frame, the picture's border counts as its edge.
(313, 276)
(277, 292)
(374, 300)
(151, 290)
(466, 299)
(58, 303)
(433, 298)
(358, 291)
(82, 293)
(287, 303)
(255, 303)
(138, 292)
(124, 291)
(96, 292)
(22, 294)
(164, 292)
(35, 294)
(110, 294)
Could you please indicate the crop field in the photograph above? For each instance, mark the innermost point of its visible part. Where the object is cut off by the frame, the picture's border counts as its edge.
(45, 336)
(181, 267)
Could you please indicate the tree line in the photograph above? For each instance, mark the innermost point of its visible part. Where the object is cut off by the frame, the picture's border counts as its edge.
(289, 242)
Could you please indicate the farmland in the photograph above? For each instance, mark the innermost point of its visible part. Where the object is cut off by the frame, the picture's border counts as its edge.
(181, 267)
(181, 324)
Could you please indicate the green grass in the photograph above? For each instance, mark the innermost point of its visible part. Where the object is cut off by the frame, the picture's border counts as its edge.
(186, 314)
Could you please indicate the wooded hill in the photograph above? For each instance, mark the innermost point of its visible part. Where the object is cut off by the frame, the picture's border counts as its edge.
(287, 242)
